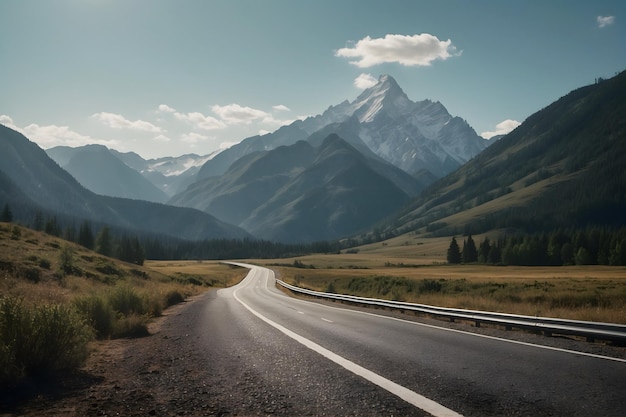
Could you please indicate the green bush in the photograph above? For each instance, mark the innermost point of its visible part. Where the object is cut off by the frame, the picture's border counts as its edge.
(98, 312)
(39, 340)
(126, 301)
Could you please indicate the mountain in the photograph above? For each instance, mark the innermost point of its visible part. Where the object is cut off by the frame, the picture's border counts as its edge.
(32, 181)
(99, 170)
(562, 168)
(414, 136)
(171, 174)
(302, 193)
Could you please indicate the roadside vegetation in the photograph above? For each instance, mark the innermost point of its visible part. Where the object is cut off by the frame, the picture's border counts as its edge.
(57, 296)
(415, 270)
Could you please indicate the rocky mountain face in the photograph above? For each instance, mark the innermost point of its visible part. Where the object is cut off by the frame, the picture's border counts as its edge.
(414, 136)
(563, 167)
(302, 192)
(31, 181)
(171, 174)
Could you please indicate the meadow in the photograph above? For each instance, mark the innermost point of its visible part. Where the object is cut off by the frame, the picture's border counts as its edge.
(413, 269)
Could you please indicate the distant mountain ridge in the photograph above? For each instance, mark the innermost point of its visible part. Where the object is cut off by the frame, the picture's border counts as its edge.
(116, 174)
(98, 170)
(414, 136)
(303, 193)
(31, 181)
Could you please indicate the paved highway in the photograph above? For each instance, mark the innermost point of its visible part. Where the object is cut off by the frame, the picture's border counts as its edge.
(296, 357)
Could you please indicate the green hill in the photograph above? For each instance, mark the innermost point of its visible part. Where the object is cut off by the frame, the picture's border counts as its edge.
(564, 167)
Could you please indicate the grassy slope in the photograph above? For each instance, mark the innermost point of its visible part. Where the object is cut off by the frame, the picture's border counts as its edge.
(30, 265)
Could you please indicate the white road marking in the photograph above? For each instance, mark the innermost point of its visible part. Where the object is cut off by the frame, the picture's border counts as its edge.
(326, 320)
(406, 394)
(573, 352)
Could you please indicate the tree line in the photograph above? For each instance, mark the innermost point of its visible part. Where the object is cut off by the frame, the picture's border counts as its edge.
(592, 246)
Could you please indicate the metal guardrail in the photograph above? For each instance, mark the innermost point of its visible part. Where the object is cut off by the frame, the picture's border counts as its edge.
(548, 326)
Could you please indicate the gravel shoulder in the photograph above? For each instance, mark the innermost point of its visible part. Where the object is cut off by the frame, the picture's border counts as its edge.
(160, 374)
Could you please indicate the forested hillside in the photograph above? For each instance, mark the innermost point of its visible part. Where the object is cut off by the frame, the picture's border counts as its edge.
(562, 168)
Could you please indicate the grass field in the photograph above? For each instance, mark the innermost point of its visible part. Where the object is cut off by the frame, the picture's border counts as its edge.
(413, 269)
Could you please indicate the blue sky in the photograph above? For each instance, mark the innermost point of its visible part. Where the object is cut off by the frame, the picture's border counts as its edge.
(172, 77)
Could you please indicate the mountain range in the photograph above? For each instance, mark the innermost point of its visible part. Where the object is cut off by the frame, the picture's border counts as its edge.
(413, 136)
(116, 174)
(32, 182)
(564, 167)
(302, 192)
(380, 162)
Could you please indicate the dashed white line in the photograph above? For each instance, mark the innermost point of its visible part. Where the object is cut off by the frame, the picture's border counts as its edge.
(326, 320)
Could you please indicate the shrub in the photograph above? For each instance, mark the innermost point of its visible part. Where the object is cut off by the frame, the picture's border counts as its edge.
(98, 312)
(173, 297)
(42, 339)
(132, 325)
(126, 301)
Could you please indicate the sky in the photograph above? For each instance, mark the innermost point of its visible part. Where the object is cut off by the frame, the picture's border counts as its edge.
(166, 78)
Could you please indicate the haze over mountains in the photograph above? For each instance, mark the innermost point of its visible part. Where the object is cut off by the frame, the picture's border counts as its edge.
(372, 162)
(30, 181)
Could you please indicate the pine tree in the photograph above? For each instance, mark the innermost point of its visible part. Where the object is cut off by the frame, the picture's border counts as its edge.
(6, 215)
(470, 254)
(104, 243)
(454, 253)
(85, 235)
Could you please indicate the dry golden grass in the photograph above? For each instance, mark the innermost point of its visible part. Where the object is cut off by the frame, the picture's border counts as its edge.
(403, 265)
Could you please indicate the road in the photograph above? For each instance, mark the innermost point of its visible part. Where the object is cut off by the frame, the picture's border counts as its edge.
(296, 357)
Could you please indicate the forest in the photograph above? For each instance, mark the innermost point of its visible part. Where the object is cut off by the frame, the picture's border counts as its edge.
(591, 246)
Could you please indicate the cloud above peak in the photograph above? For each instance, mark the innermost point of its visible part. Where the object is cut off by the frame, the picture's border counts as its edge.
(364, 81)
(604, 21)
(502, 128)
(408, 50)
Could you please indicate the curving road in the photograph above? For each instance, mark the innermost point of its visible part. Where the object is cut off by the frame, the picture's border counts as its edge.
(281, 355)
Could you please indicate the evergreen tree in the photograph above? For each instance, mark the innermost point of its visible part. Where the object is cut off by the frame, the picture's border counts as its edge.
(470, 254)
(454, 253)
(104, 243)
(483, 250)
(52, 227)
(85, 235)
(38, 221)
(6, 215)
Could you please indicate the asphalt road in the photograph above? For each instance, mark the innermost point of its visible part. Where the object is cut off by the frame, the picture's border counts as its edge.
(287, 356)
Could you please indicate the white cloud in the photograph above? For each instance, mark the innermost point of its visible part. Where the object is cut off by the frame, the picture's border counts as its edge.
(226, 145)
(415, 50)
(200, 120)
(281, 107)
(364, 81)
(164, 108)
(236, 114)
(117, 121)
(193, 137)
(502, 128)
(161, 138)
(52, 135)
(604, 21)
(7, 121)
